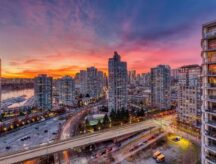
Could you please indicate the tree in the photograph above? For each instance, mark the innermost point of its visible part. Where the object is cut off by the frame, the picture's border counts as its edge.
(106, 120)
(120, 114)
(87, 123)
(104, 109)
(99, 125)
(22, 113)
(113, 115)
(87, 95)
(126, 115)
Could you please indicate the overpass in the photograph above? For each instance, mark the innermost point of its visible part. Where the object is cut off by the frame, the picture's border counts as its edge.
(76, 141)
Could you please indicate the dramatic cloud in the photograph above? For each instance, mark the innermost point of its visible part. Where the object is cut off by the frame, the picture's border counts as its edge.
(63, 36)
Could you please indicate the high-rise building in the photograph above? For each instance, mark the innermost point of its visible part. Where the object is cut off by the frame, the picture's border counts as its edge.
(132, 76)
(209, 93)
(91, 82)
(0, 85)
(189, 95)
(43, 92)
(160, 87)
(83, 82)
(66, 89)
(94, 82)
(175, 73)
(117, 83)
(146, 79)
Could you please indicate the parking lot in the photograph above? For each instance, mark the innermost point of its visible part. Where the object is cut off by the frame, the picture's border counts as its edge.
(176, 152)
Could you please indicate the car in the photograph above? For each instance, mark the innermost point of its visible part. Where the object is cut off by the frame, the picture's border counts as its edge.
(156, 154)
(160, 158)
(140, 144)
(44, 143)
(51, 141)
(109, 149)
(103, 152)
(26, 147)
(145, 141)
(131, 149)
(25, 138)
(7, 147)
(93, 156)
(176, 139)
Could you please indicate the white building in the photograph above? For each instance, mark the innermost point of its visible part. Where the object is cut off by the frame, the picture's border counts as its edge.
(189, 95)
(117, 83)
(43, 92)
(66, 89)
(91, 82)
(160, 87)
(209, 93)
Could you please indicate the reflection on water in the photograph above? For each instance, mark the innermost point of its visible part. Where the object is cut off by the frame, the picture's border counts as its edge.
(8, 94)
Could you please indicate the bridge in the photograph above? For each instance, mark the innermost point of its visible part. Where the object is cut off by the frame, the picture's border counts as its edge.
(76, 141)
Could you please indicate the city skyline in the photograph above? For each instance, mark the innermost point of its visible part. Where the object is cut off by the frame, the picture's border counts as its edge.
(68, 36)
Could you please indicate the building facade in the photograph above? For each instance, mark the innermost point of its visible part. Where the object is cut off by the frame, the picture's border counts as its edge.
(43, 92)
(0, 86)
(189, 95)
(94, 82)
(66, 89)
(91, 82)
(117, 83)
(209, 93)
(160, 87)
(132, 77)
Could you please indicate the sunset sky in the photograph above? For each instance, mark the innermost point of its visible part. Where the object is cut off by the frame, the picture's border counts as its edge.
(60, 37)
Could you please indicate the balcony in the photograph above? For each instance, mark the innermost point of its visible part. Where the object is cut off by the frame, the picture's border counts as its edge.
(211, 123)
(210, 86)
(210, 98)
(210, 34)
(211, 147)
(211, 134)
(211, 111)
(210, 60)
(211, 159)
(209, 73)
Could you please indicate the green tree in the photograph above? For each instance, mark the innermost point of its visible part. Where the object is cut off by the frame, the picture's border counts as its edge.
(126, 115)
(106, 120)
(113, 115)
(22, 113)
(87, 123)
(99, 125)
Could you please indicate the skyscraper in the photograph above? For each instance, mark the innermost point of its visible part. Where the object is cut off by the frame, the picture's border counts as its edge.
(0, 85)
(132, 77)
(91, 82)
(189, 95)
(94, 83)
(160, 87)
(209, 93)
(117, 83)
(43, 92)
(83, 81)
(66, 89)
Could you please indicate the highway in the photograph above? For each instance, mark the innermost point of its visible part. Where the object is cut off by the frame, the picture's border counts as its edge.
(76, 142)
